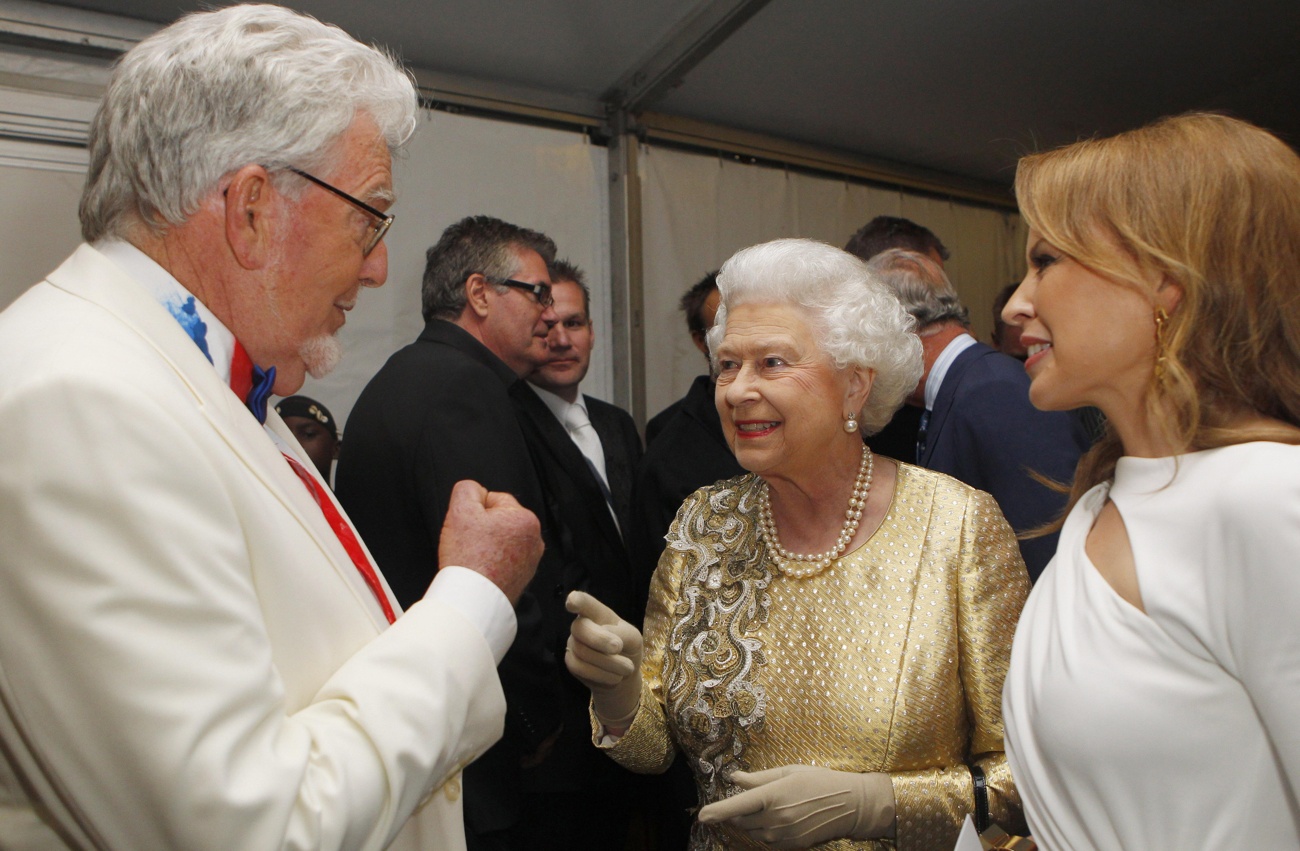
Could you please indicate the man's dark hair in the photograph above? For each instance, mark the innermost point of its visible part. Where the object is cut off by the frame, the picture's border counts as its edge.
(566, 270)
(692, 302)
(885, 232)
(475, 244)
(999, 302)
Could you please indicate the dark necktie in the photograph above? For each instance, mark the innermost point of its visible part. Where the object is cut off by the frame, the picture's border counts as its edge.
(921, 434)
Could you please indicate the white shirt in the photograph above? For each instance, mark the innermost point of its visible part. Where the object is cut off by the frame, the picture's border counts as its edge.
(934, 380)
(589, 443)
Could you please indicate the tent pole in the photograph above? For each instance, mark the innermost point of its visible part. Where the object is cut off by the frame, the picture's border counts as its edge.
(626, 283)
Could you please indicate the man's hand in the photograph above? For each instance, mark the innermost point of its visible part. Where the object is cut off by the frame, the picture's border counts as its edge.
(798, 806)
(492, 534)
(604, 653)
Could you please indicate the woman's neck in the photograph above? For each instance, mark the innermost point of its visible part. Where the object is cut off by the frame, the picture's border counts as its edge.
(1140, 432)
(809, 510)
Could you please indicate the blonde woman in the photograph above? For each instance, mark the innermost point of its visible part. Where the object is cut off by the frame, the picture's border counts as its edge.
(1155, 678)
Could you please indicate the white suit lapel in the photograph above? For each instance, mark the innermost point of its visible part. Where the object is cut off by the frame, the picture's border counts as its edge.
(88, 274)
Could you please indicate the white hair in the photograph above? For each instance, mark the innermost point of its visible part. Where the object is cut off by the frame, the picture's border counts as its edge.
(921, 285)
(856, 321)
(215, 91)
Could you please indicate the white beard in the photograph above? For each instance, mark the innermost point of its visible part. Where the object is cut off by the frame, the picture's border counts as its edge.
(321, 355)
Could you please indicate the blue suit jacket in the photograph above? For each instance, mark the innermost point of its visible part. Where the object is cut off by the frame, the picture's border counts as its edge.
(984, 431)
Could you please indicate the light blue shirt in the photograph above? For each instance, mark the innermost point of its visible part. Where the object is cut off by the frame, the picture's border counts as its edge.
(934, 381)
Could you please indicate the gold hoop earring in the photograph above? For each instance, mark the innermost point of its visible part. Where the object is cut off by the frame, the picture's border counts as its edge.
(851, 424)
(1162, 342)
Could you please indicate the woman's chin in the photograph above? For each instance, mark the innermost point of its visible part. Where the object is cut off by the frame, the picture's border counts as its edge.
(755, 459)
(1045, 397)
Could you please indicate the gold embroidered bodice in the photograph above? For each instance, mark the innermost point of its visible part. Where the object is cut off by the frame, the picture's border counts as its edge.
(892, 660)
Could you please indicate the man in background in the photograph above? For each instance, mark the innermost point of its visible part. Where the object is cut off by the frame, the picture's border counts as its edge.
(585, 451)
(885, 232)
(313, 424)
(685, 448)
(1006, 338)
(977, 423)
(195, 648)
(437, 412)
(699, 305)
(898, 438)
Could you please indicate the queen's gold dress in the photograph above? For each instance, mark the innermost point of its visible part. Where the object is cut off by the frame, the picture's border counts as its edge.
(890, 660)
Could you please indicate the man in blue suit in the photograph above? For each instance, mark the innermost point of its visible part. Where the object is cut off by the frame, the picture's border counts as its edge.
(978, 425)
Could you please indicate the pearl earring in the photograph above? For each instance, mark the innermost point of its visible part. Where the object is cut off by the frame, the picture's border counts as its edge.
(851, 424)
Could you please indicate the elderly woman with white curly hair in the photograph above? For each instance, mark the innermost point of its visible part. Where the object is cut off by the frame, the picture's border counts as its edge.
(826, 636)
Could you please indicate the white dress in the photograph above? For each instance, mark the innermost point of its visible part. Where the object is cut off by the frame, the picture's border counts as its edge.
(1178, 728)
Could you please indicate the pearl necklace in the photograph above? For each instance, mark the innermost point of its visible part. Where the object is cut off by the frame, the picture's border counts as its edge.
(782, 557)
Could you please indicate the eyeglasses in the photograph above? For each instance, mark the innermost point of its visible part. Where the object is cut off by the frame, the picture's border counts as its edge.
(377, 230)
(542, 292)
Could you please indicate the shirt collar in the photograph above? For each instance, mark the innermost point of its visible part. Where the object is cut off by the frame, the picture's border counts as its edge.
(559, 407)
(208, 333)
(956, 346)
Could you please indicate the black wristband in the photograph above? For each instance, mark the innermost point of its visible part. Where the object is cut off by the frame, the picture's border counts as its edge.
(981, 799)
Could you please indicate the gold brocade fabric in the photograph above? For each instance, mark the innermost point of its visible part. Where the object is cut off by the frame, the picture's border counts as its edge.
(891, 660)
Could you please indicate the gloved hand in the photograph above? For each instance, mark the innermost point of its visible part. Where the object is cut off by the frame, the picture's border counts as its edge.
(798, 806)
(604, 653)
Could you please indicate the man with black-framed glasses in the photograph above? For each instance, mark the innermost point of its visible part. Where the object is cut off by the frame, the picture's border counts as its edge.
(196, 649)
(439, 411)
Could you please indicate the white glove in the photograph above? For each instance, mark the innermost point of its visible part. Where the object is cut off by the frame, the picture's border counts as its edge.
(604, 653)
(798, 806)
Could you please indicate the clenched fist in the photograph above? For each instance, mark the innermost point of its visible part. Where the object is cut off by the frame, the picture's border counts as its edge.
(492, 534)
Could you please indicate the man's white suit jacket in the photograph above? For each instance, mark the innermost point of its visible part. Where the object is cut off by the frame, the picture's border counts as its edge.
(188, 657)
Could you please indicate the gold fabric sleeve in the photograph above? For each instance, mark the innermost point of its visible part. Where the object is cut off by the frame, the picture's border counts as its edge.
(648, 747)
(991, 589)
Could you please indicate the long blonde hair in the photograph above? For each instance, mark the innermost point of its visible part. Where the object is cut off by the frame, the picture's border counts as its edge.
(1209, 203)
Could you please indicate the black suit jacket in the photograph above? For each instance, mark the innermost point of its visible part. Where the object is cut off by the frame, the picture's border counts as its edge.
(688, 453)
(984, 431)
(897, 439)
(594, 559)
(437, 412)
(656, 423)
(589, 543)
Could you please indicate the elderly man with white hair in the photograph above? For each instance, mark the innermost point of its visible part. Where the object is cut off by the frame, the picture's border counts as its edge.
(978, 425)
(196, 650)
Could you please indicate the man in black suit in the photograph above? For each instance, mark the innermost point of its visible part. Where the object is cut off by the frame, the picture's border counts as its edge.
(585, 451)
(685, 449)
(700, 306)
(977, 423)
(437, 412)
(898, 438)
